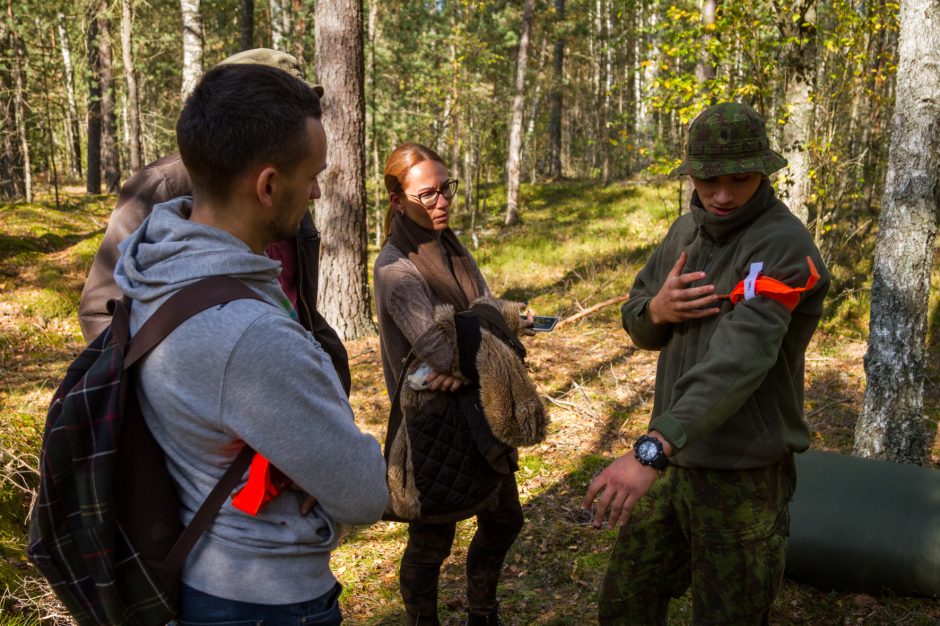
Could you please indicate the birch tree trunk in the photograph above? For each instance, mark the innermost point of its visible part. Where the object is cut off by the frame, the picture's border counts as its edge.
(341, 211)
(74, 132)
(798, 88)
(892, 425)
(280, 24)
(130, 77)
(515, 126)
(93, 170)
(556, 97)
(193, 45)
(110, 156)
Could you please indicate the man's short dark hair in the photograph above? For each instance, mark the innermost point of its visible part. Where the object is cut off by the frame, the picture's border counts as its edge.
(239, 116)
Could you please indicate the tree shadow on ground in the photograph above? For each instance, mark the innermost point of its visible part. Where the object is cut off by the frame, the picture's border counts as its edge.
(536, 572)
(609, 262)
(47, 243)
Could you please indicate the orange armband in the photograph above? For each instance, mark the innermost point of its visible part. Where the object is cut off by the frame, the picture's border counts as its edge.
(264, 483)
(774, 289)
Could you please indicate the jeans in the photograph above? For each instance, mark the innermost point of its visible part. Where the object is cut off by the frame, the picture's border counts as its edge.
(201, 609)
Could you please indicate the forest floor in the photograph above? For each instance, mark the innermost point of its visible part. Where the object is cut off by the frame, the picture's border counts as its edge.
(581, 244)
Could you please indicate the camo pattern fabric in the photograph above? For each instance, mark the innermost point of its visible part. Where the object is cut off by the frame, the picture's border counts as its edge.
(729, 138)
(721, 532)
(429, 544)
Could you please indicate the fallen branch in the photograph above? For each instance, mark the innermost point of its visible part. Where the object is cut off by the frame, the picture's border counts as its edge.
(363, 353)
(571, 406)
(592, 309)
(827, 406)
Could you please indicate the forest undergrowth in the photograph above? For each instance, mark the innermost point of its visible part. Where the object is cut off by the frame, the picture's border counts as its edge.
(580, 244)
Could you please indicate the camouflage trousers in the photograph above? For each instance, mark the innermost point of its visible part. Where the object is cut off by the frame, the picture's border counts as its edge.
(429, 545)
(722, 532)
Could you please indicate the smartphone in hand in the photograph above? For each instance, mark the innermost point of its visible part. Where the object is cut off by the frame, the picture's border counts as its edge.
(542, 323)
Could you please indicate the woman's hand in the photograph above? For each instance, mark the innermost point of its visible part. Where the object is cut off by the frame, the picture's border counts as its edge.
(443, 382)
(526, 325)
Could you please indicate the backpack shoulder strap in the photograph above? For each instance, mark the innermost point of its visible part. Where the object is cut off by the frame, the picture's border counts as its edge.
(182, 305)
(208, 510)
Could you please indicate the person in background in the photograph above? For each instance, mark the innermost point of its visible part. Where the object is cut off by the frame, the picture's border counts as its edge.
(165, 179)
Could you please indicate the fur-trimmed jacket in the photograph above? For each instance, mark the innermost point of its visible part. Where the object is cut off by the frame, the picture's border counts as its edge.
(447, 457)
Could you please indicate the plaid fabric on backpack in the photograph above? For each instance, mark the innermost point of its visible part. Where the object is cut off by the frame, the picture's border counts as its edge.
(105, 527)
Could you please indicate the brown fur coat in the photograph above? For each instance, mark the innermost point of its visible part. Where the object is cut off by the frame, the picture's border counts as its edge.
(508, 397)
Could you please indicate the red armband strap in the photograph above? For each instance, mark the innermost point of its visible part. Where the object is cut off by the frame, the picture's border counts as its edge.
(776, 290)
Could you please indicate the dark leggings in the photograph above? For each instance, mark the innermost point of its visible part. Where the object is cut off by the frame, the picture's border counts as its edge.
(429, 544)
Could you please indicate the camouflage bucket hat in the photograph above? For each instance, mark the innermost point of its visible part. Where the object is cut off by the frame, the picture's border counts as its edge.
(729, 138)
(273, 58)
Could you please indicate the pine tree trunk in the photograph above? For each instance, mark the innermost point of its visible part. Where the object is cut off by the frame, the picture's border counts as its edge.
(341, 211)
(247, 25)
(299, 18)
(110, 156)
(130, 76)
(556, 97)
(74, 132)
(193, 45)
(19, 105)
(10, 154)
(892, 425)
(93, 170)
(515, 126)
(798, 88)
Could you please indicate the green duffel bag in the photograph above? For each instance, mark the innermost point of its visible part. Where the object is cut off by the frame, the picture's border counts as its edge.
(865, 525)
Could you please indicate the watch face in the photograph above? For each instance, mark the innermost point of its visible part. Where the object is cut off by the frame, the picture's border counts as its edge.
(647, 451)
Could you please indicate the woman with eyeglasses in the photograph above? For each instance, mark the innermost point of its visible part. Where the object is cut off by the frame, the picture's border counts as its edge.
(423, 265)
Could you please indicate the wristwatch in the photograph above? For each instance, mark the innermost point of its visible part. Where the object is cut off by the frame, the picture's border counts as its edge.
(649, 451)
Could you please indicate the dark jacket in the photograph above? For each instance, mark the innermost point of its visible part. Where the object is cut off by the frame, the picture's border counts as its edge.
(729, 387)
(163, 180)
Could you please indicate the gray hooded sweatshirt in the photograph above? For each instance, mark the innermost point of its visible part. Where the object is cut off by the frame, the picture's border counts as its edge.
(246, 372)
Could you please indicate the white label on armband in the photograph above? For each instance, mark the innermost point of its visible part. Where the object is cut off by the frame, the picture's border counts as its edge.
(751, 280)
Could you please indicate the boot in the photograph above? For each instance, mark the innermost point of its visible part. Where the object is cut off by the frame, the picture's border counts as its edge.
(487, 620)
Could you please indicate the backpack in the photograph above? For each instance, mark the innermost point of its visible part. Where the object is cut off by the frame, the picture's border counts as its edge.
(105, 527)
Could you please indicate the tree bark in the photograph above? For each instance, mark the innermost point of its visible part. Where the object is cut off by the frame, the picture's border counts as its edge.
(247, 25)
(193, 45)
(280, 24)
(19, 105)
(705, 69)
(341, 210)
(556, 97)
(93, 170)
(75, 136)
(515, 126)
(130, 77)
(800, 60)
(110, 155)
(892, 425)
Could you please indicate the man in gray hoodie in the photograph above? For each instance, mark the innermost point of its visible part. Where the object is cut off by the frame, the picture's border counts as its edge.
(246, 373)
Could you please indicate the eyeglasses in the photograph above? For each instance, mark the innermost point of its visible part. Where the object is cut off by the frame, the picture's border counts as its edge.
(428, 199)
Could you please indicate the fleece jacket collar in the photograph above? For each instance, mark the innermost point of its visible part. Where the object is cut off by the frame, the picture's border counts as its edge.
(719, 229)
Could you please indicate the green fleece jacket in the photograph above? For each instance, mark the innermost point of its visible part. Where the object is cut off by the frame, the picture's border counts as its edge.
(729, 387)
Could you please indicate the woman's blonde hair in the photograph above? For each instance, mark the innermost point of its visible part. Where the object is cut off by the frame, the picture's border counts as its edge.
(399, 163)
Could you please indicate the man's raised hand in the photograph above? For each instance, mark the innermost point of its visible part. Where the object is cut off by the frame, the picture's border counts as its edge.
(677, 301)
